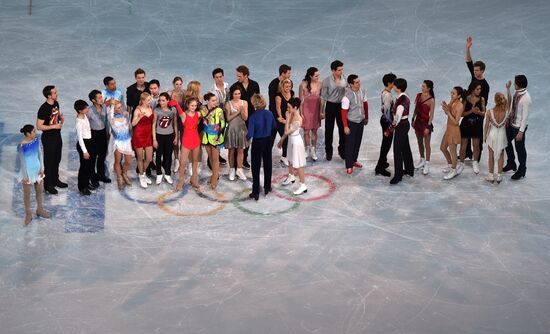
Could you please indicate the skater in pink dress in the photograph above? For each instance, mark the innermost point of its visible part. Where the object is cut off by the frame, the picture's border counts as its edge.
(312, 109)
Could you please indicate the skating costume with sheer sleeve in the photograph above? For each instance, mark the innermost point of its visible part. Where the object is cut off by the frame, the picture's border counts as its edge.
(120, 130)
(214, 126)
(30, 158)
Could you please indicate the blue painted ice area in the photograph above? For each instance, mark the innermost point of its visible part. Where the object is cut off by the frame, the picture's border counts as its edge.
(426, 256)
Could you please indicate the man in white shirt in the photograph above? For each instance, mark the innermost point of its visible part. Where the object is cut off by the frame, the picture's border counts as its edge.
(84, 147)
(516, 128)
(220, 87)
(386, 120)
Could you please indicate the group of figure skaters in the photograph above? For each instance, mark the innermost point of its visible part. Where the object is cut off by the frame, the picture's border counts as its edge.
(174, 126)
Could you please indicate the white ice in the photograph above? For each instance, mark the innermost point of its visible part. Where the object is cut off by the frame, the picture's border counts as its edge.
(425, 256)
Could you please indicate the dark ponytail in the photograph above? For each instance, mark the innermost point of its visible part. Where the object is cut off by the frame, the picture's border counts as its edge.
(462, 93)
(430, 85)
(295, 102)
(27, 128)
(208, 96)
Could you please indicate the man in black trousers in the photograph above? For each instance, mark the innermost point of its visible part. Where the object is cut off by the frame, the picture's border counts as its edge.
(477, 71)
(401, 148)
(50, 121)
(97, 117)
(517, 127)
(285, 72)
(332, 91)
(261, 125)
(249, 88)
(386, 120)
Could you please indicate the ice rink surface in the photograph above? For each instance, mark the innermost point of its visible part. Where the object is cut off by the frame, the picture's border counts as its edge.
(353, 255)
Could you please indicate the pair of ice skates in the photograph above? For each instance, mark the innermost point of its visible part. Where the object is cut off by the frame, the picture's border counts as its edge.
(292, 179)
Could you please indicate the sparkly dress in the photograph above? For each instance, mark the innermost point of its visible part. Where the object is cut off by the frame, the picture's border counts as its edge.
(235, 135)
(143, 133)
(471, 126)
(120, 130)
(30, 157)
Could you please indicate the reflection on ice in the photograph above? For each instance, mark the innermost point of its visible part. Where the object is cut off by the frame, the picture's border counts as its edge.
(353, 255)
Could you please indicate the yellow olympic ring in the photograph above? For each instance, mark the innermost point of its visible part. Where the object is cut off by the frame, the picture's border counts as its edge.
(166, 209)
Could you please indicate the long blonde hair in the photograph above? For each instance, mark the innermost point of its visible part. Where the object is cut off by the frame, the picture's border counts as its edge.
(193, 90)
(144, 96)
(500, 102)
